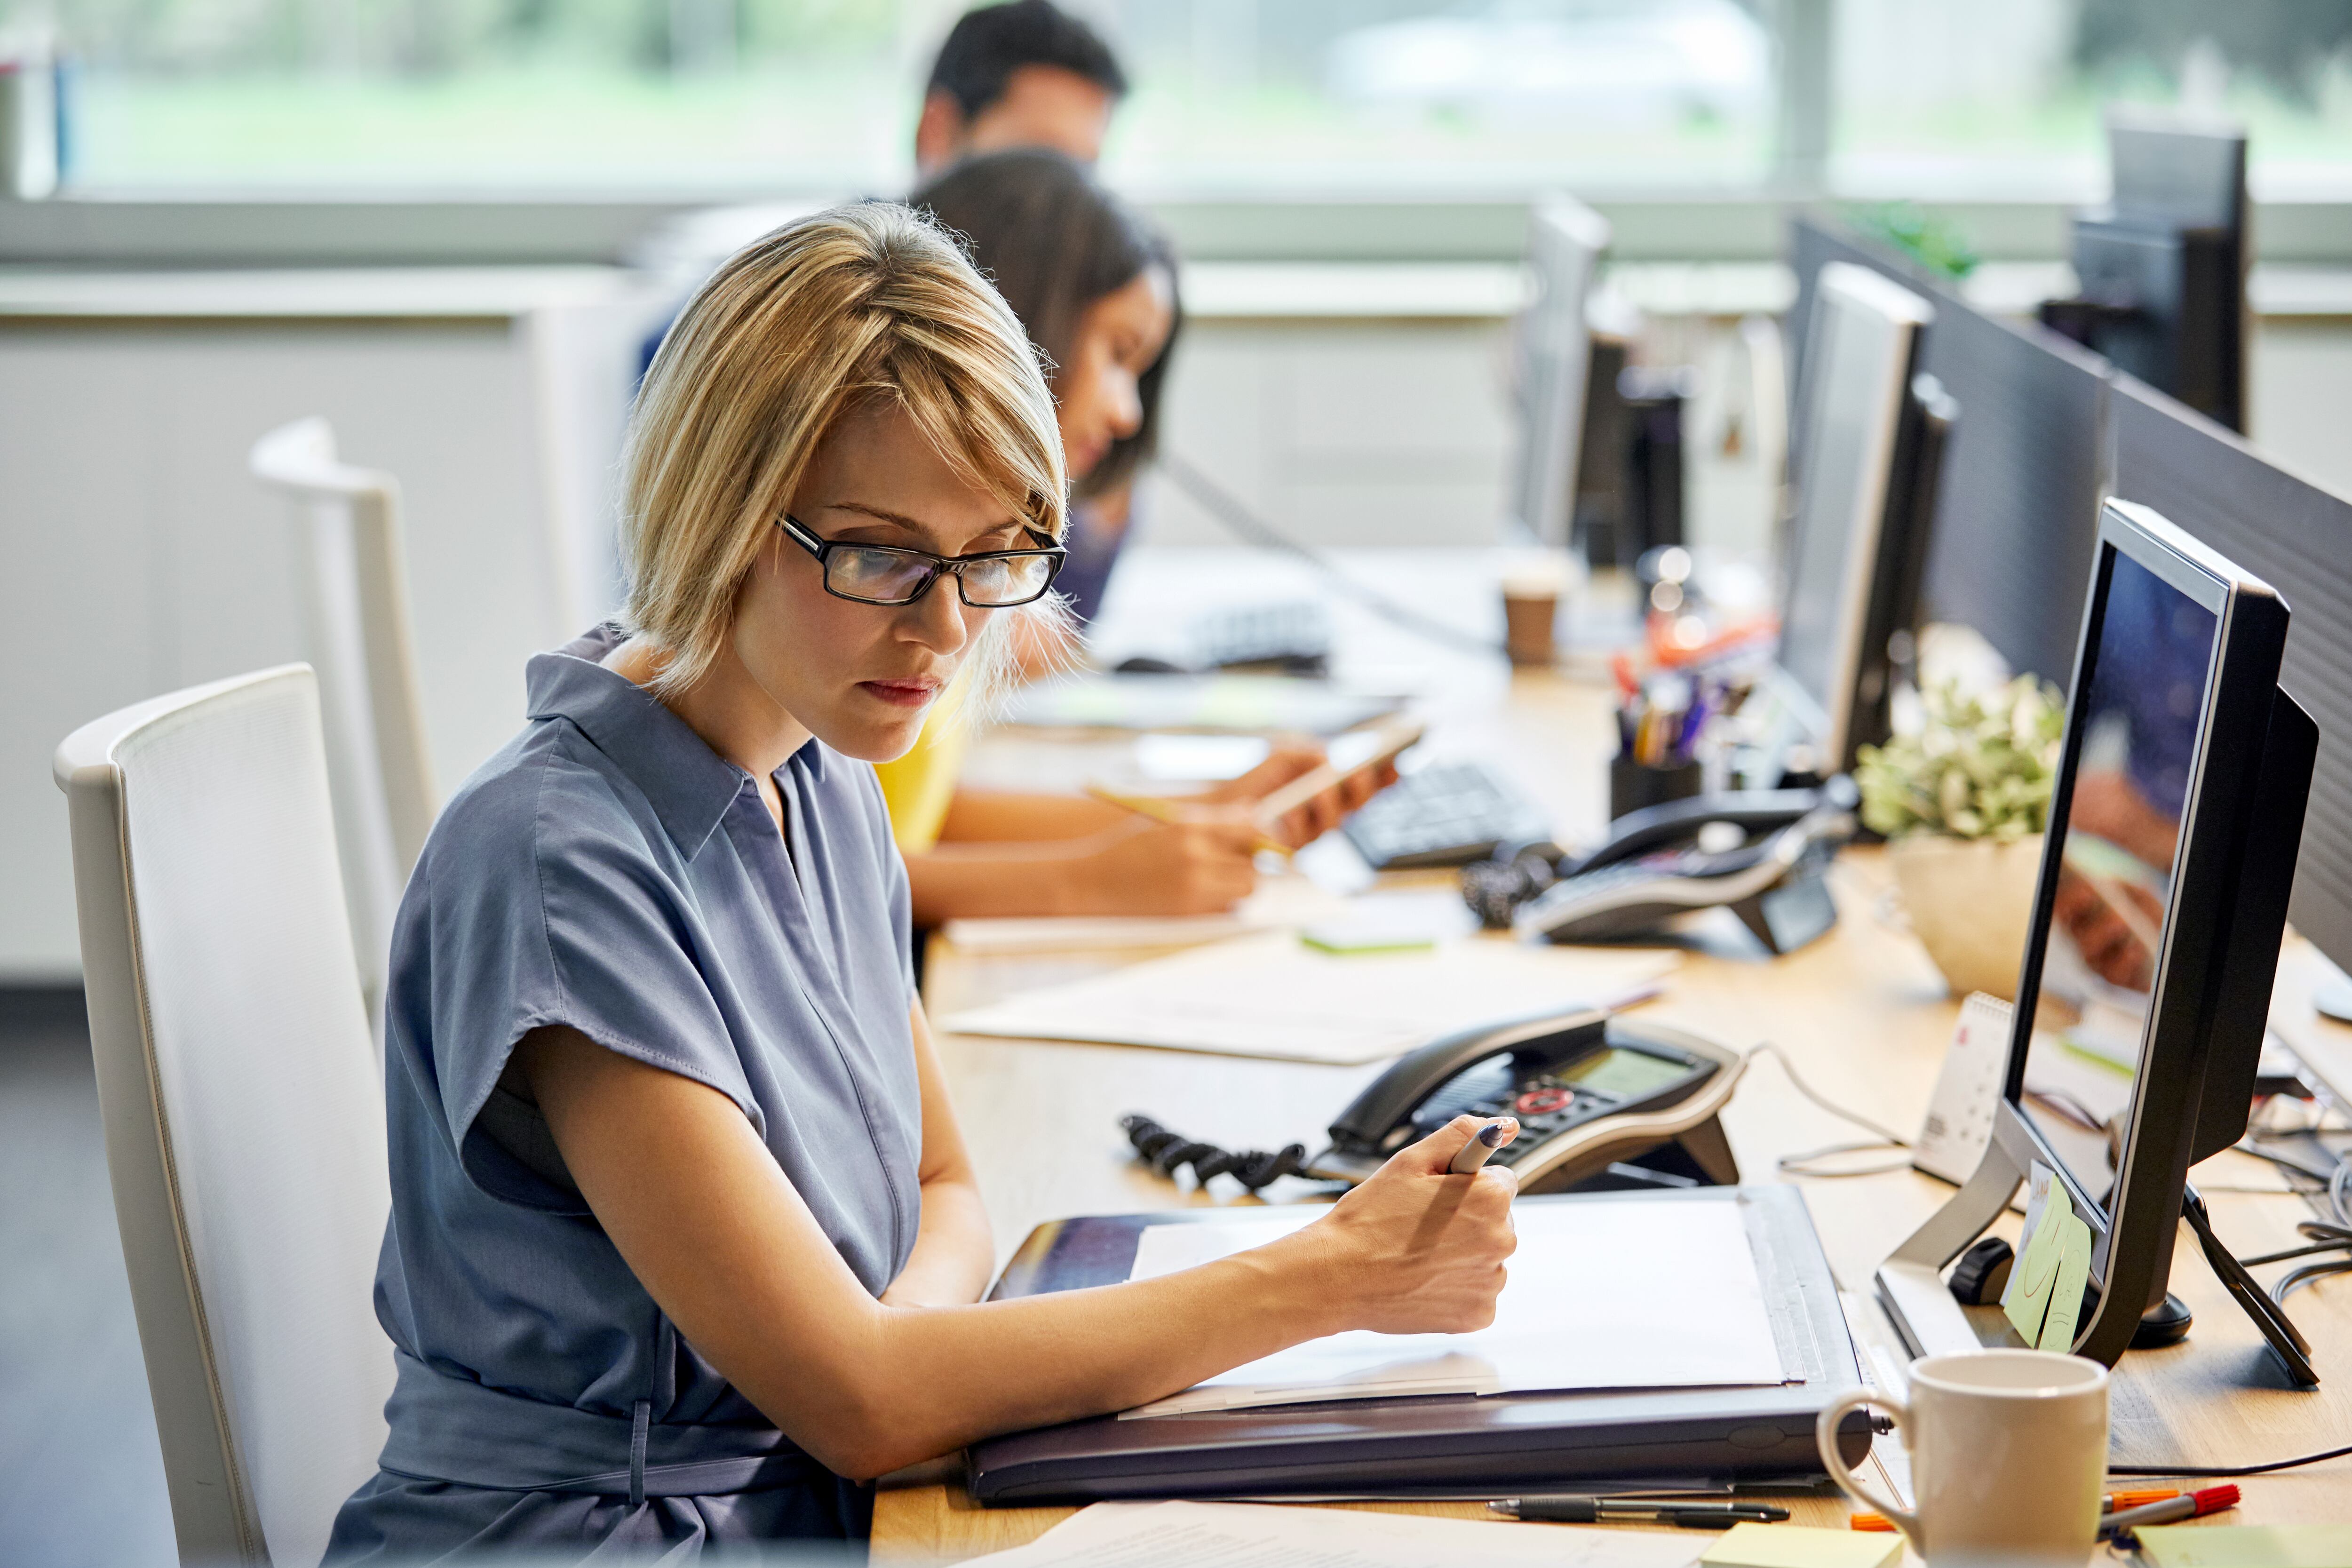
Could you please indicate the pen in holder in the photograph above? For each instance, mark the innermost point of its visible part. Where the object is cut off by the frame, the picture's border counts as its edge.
(1659, 725)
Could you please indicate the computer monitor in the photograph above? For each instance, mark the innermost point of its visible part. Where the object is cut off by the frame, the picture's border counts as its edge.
(1816, 239)
(2156, 920)
(2298, 535)
(2161, 270)
(1565, 242)
(2023, 475)
(1859, 530)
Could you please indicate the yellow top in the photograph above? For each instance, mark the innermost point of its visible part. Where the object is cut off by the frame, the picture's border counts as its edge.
(918, 786)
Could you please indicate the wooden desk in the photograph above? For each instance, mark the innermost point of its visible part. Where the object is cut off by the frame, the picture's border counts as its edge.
(1862, 1011)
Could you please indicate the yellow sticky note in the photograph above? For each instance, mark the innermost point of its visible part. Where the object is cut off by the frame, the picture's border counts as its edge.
(2073, 1273)
(1795, 1546)
(2246, 1545)
(2026, 1298)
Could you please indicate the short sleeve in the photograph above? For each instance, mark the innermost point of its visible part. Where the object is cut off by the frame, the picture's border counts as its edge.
(548, 906)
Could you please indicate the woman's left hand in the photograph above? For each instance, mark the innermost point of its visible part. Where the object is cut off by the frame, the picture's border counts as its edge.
(1306, 823)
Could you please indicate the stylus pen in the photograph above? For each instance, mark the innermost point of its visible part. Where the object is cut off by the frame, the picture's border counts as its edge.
(1574, 1509)
(1483, 1143)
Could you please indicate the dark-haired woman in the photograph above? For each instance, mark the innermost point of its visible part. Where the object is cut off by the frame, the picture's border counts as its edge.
(1097, 289)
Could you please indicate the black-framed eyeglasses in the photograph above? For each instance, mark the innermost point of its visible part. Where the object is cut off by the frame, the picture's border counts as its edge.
(886, 575)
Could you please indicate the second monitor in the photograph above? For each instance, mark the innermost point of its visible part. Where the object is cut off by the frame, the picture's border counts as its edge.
(1872, 431)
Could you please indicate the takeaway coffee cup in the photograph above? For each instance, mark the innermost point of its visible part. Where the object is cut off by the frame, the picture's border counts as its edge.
(2009, 1452)
(1532, 589)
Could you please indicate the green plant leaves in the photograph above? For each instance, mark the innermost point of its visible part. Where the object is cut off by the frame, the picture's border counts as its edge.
(1981, 766)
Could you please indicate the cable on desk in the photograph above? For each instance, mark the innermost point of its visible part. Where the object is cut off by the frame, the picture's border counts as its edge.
(1230, 509)
(1253, 1168)
(2201, 1471)
(1806, 1164)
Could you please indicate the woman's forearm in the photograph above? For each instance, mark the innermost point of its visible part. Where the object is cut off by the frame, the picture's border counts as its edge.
(971, 881)
(953, 1255)
(938, 1380)
(981, 815)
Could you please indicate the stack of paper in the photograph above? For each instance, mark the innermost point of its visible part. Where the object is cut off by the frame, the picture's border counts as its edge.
(1253, 1535)
(1601, 1296)
(1274, 997)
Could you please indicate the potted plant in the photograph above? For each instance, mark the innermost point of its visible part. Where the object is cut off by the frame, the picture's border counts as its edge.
(1963, 803)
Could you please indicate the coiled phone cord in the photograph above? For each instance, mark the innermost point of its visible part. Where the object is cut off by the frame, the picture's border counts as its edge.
(1253, 1168)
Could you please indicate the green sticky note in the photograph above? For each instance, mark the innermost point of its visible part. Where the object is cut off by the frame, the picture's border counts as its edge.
(2026, 1298)
(1755, 1545)
(2246, 1545)
(2066, 1284)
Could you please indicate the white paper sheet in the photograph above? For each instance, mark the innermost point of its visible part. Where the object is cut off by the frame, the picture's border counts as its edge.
(1602, 1295)
(1274, 997)
(1258, 1535)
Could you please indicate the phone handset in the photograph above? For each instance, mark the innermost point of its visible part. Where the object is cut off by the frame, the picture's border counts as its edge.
(1598, 1098)
(1381, 1120)
(1659, 827)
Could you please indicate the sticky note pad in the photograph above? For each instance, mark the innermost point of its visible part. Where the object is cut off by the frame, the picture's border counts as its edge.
(2031, 1279)
(2069, 1279)
(1795, 1546)
(2246, 1545)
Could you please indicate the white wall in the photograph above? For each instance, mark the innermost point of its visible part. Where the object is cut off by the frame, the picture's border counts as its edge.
(138, 556)
(1355, 433)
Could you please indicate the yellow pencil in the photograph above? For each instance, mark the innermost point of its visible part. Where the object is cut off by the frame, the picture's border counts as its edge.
(1159, 810)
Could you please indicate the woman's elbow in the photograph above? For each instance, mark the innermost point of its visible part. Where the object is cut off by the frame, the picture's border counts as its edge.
(868, 1444)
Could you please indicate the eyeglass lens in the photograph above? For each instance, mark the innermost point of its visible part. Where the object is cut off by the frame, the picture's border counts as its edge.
(895, 577)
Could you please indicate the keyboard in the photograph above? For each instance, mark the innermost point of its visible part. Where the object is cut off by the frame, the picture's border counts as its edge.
(1448, 814)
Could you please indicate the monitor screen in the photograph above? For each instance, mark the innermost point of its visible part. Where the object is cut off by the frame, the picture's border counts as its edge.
(2288, 531)
(1857, 372)
(2136, 735)
(1565, 241)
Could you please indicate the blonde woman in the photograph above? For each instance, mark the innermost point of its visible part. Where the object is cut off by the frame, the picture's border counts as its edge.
(683, 1243)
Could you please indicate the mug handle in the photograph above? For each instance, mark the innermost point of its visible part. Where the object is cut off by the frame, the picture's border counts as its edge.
(1826, 1433)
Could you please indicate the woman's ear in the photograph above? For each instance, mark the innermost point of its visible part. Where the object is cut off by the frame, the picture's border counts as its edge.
(938, 131)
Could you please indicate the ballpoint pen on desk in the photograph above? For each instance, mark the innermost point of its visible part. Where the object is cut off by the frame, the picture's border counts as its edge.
(2195, 1505)
(2110, 1503)
(1576, 1509)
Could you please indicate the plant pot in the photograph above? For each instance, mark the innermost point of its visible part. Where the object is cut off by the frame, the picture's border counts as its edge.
(1970, 901)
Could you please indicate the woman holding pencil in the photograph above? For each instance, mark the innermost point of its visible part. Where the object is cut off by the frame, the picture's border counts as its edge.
(1096, 289)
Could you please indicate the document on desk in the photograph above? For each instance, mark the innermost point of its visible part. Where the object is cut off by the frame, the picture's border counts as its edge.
(1262, 1535)
(1601, 1296)
(1272, 996)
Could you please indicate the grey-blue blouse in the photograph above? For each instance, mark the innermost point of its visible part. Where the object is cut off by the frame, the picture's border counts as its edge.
(608, 871)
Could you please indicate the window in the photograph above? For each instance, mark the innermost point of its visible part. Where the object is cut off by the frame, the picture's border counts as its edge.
(1232, 95)
(1932, 98)
(2004, 98)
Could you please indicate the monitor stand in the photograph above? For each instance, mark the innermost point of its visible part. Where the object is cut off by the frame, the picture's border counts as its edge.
(1932, 1322)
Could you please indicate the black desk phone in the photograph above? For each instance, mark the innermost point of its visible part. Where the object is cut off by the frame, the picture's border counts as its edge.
(1603, 1102)
(1761, 852)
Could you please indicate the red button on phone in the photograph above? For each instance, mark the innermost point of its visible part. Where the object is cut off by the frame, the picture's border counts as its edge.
(1542, 1102)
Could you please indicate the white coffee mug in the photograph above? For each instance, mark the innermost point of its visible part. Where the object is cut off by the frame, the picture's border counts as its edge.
(2009, 1454)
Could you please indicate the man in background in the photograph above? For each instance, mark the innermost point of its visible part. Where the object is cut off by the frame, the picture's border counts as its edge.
(1025, 74)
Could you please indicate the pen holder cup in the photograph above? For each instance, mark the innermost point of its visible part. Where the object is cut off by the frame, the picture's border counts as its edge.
(1633, 786)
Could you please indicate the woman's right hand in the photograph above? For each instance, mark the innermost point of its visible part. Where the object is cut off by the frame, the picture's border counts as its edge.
(1415, 1249)
(1190, 868)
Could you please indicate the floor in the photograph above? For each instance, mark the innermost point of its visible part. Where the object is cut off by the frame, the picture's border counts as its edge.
(81, 1481)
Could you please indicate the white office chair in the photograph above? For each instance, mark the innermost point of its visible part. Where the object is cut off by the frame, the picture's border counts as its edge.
(356, 624)
(244, 1122)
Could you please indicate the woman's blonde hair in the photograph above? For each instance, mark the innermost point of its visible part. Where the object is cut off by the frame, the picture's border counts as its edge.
(823, 317)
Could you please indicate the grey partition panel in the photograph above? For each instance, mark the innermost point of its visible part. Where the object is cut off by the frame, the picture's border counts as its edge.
(2017, 510)
(2298, 537)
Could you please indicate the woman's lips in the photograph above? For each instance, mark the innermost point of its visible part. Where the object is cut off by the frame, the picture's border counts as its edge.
(902, 693)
